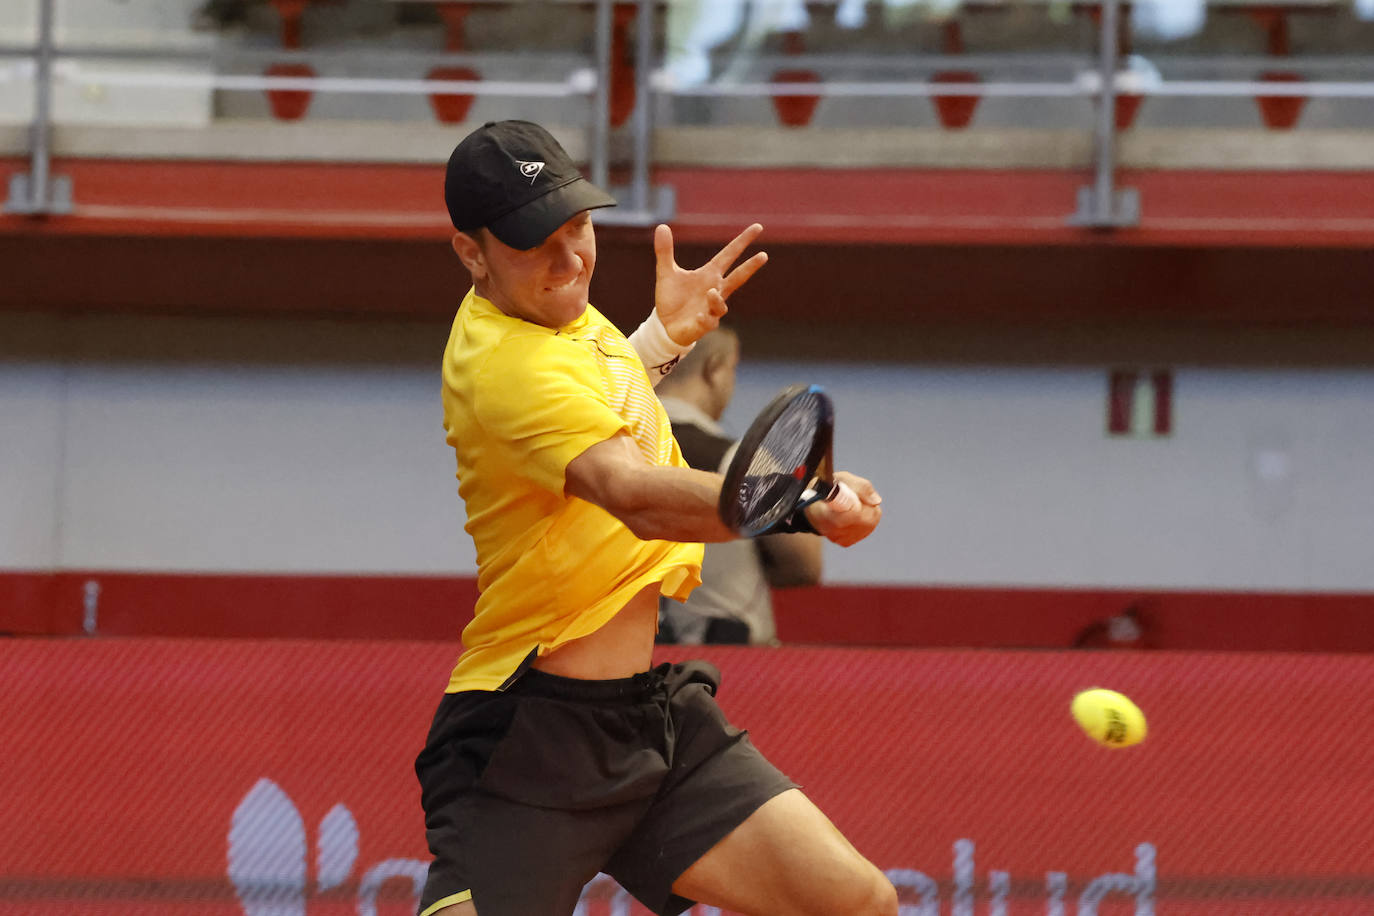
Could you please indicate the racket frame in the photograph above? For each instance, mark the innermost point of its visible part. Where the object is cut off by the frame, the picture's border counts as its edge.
(810, 485)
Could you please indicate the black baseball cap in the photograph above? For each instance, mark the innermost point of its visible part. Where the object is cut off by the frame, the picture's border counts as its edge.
(513, 179)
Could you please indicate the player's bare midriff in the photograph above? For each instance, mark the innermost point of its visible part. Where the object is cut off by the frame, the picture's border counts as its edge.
(624, 646)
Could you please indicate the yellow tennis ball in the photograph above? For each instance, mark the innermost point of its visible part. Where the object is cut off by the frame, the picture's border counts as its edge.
(1108, 718)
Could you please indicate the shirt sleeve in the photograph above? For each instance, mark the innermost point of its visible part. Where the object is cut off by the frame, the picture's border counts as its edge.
(543, 400)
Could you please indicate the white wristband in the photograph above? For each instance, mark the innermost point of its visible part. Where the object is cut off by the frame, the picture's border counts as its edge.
(657, 351)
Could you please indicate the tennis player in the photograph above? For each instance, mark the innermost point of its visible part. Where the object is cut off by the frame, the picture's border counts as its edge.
(557, 751)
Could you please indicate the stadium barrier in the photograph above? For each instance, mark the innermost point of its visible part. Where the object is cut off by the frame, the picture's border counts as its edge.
(296, 606)
(274, 778)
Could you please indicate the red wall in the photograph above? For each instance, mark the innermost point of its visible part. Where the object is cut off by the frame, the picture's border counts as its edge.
(436, 608)
(137, 770)
(895, 246)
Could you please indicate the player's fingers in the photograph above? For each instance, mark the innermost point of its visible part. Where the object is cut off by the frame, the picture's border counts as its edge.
(849, 535)
(663, 248)
(858, 525)
(867, 493)
(846, 519)
(844, 499)
(740, 275)
(715, 303)
(728, 255)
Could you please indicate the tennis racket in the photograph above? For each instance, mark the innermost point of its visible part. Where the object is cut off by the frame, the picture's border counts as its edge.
(784, 462)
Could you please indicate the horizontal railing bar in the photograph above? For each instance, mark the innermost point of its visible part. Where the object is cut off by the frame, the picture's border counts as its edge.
(917, 59)
(903, 86)
(583, 83)
(1087, 87)
(1247, 88)
(227, 57)
(876, 90)
(579, 83)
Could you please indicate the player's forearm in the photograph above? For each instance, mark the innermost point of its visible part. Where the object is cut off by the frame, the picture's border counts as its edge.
(669, 503)
(654, 501)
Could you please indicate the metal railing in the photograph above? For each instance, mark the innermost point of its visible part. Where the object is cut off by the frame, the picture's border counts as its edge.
(1101, 205)
(37, 193)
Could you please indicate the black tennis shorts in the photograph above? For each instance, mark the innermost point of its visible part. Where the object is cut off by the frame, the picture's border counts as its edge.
(528, 793)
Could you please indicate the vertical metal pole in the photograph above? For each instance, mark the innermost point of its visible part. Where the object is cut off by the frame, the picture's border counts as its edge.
(1105, 190)
(643, 115)
(1102, 205)
(601, 101)
(42, 112)
(33, 193)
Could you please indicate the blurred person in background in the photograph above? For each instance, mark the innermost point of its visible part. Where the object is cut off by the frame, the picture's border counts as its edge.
(734, 602)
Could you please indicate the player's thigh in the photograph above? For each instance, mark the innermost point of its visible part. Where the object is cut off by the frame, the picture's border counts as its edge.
(787, 859)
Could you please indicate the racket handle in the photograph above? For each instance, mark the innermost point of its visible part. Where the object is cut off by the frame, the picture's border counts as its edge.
(842, 498)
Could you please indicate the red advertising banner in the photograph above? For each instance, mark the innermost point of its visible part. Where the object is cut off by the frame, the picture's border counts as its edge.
(273, 778)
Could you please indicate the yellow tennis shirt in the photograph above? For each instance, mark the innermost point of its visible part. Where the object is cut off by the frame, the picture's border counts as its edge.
(520, 402)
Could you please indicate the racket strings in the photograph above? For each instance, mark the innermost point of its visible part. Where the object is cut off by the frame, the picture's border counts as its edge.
(776, 470)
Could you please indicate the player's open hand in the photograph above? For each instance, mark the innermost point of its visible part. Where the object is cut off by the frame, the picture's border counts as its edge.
(690, 303)
(848, 526)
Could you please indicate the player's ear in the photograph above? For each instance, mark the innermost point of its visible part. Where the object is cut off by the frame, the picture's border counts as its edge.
(715, 367)
(469, 251)
(720, 364)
